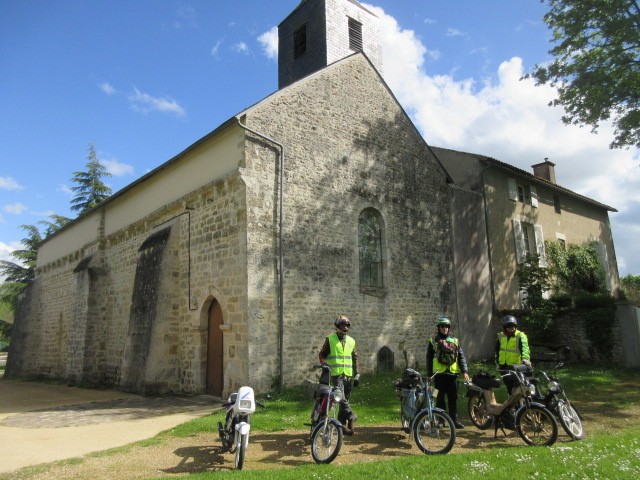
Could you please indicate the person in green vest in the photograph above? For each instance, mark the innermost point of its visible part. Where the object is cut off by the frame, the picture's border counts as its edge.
(512, 348)
(446, 360)
(339, 352)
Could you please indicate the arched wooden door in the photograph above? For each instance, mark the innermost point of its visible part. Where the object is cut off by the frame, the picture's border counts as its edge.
(215, 378)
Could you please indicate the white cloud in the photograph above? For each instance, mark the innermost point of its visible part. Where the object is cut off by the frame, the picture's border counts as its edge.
(8, 183)
(269, 42)
(145, 103)
(6, 249)
(454, 32)
(118, 169)
(15, 208)
(216, 48)
(509, 119)
(46, 213)
(107, 88)
(65, 189)
(240, 47)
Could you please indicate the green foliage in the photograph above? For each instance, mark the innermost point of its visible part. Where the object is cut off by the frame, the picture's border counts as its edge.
(534, 280)
(596, 65)
(631, 288)
(575, 269)
(17, 275)
(90, 190)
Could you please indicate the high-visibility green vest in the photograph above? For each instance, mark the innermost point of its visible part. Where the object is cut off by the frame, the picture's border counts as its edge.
(339, 358)
(509, 353)
(439, 367)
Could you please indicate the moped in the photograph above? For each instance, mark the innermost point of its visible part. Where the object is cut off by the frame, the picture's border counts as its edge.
(555, 399)
(235, 433)
(533, 422)
(326, 430)
(432, 428)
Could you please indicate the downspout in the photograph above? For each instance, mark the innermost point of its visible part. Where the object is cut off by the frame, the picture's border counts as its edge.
(280, 253)
(486, 226)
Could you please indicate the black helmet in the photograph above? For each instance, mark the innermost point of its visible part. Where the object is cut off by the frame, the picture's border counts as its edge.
(342, 323)
(509, 320)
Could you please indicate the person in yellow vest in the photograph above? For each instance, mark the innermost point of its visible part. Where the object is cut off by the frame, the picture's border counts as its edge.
(446, 359)
(339, 352)
(512, 348)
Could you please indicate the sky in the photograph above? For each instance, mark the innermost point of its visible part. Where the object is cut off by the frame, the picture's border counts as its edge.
(142, 80)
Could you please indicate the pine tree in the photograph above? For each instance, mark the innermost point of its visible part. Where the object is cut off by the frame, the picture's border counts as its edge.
(90, 190)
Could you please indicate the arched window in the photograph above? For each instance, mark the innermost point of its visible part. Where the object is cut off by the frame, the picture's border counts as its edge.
(385, 360)
(370, 247)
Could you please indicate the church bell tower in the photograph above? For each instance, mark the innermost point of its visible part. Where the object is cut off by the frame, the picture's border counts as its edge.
(320, 32)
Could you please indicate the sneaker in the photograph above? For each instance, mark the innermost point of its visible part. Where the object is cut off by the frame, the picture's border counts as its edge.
(458, 424)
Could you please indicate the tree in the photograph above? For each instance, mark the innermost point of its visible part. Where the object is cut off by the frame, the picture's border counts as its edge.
(576, 269)
(90, 190)
(596, 65)
(631, 288)
(17, 275)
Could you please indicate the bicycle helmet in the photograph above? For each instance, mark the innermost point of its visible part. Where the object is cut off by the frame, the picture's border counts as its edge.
(443, 321)
(509, 321)
(342, 323)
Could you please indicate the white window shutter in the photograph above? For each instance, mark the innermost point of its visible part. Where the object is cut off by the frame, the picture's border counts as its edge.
(534, 196)
(513, 189)
(540, 245)
(521, 251)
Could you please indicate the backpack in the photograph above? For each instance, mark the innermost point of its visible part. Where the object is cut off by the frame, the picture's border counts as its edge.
(446, 352)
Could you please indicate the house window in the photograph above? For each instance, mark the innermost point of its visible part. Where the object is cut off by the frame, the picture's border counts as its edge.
(556, 203)
(300, 41)
(370, 248)
(355, 35)
(523, 193)
(529, 241)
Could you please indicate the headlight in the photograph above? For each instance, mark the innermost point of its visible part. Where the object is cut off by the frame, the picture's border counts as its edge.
(553, 386)
(532, 389)
(245, 405)
(337, 394)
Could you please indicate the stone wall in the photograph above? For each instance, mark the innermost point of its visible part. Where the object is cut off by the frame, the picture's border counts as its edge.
(77, 320)
(348, 146)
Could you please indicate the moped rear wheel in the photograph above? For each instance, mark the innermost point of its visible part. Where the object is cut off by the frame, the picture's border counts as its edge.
(326, 442)
(536, 426)
(478, 412)
(570, 420)
(241, 450)
(434, 433)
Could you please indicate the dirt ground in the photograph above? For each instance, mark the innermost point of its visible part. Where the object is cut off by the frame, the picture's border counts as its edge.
(201, 453)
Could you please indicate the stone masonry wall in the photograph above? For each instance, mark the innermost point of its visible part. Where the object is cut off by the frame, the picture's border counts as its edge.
(348, 146)
(209, 262)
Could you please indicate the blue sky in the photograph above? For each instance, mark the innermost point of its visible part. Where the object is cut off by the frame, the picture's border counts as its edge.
(142, 80)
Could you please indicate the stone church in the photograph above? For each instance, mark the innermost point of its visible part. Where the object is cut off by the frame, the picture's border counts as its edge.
(227, 264)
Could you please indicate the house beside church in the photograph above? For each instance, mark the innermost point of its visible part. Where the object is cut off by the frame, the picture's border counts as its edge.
(227, 264)
(501, 214)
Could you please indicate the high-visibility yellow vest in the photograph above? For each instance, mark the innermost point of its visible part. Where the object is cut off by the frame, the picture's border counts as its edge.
(439, 367)
(339, 358)
(509, 353)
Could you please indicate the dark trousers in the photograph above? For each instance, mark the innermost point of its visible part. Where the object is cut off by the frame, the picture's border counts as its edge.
(344, 409)
(447, 386)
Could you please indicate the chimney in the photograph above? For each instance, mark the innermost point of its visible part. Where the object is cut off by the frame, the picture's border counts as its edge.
(545, 170)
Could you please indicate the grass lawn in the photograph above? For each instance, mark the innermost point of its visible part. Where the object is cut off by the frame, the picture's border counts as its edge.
(610, 450)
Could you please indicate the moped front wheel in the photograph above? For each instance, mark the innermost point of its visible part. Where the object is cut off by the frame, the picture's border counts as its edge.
(536, 426)
(434, 433)
(241, 450)
(326, 442)
(478, 412)
(570, 420)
